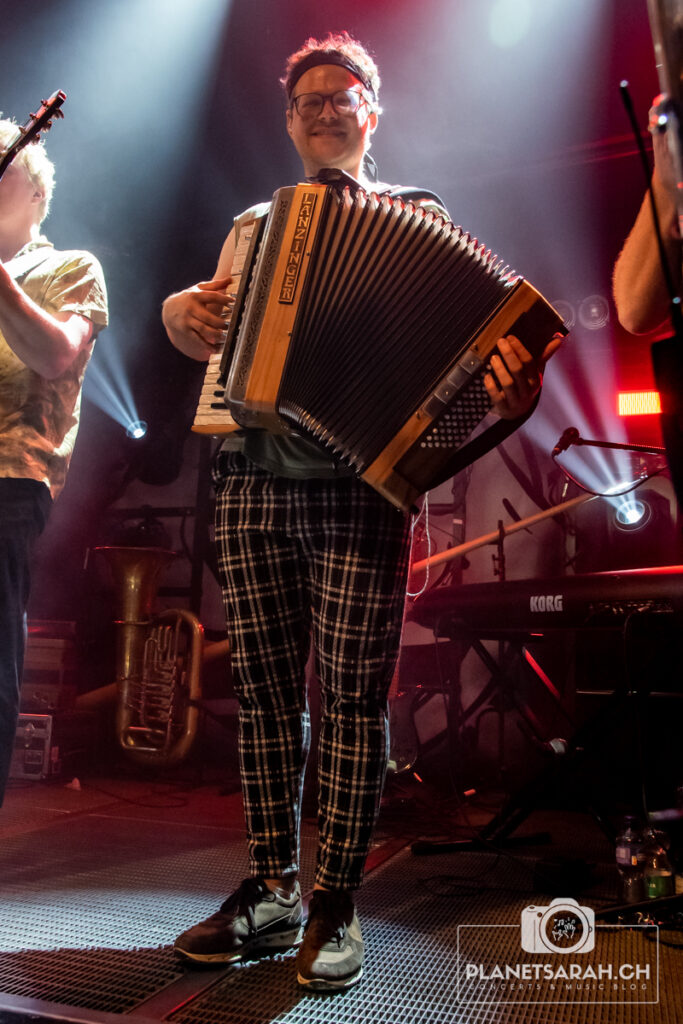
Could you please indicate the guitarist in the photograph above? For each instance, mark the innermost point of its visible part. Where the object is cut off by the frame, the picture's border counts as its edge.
(52, 305)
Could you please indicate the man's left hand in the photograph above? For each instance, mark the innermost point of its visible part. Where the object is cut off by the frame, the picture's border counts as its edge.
(516, 376)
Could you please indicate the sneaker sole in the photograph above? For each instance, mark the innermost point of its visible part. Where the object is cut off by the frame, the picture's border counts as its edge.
(264, 945)
(329, 985)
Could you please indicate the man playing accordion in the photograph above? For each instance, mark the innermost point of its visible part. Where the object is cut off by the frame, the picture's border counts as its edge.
(308, 551)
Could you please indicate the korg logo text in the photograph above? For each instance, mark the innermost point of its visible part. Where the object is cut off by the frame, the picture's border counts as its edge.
(546, 603)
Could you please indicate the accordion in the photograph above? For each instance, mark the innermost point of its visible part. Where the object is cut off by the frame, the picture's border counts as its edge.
(366, 323)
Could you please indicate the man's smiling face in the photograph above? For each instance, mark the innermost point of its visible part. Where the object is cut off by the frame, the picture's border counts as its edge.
(330, 139)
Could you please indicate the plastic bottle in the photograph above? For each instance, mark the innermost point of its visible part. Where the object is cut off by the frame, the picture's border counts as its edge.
(630, 862)
(659, 879)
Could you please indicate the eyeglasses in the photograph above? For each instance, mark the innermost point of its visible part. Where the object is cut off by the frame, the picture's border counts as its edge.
(345, 103)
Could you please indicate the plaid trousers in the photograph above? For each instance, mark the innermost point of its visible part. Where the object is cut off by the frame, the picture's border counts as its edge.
(326, 559)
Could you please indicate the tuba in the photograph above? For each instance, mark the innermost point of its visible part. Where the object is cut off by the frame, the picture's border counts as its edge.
(158, 658)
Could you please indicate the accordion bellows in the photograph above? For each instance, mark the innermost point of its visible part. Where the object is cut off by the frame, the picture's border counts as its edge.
(366, 323)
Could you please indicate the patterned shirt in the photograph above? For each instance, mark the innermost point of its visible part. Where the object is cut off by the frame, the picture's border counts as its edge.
(39, 417)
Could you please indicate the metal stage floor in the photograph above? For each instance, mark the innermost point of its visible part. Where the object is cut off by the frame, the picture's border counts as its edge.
(97, 881)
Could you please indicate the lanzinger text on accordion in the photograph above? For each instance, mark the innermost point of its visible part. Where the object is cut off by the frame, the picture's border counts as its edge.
(366, 324)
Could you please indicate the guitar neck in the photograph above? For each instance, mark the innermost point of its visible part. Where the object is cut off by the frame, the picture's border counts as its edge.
(30, 132)
(10, 153)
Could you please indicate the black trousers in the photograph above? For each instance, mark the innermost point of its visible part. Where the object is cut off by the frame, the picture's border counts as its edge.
(24, 508)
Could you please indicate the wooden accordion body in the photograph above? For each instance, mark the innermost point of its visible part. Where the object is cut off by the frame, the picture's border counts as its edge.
(366, 323)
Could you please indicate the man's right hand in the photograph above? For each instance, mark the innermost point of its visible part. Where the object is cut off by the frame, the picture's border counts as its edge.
(196, 318)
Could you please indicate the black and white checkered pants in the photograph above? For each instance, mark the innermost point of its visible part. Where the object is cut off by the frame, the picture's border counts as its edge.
(302, 558)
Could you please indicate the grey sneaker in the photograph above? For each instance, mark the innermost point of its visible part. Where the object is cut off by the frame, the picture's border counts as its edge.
(331, 956)
(253, 920)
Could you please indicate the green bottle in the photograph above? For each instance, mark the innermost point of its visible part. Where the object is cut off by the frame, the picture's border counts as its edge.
(659, 879)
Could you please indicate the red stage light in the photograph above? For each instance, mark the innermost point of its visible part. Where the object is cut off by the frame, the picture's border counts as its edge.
(638, 403)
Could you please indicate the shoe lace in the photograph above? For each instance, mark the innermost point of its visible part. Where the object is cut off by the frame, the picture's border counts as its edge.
(242, 901)
(329, 914)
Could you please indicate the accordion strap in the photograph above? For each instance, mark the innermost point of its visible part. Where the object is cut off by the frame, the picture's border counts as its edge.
(408, 193)
(482, 444)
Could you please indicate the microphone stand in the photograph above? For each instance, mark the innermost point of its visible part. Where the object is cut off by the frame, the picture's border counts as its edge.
(497, 536)
(648, 449)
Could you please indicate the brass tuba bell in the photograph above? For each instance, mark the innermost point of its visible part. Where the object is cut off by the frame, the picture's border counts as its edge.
(158, 661)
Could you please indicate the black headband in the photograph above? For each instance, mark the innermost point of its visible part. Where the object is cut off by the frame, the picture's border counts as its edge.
(318, 57)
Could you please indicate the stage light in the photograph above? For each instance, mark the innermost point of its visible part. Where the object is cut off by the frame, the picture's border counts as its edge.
(136, 430)
(107, 386)
(638, 403)
(594, 312)
(631, 531)
(566, 311)
(632, 514)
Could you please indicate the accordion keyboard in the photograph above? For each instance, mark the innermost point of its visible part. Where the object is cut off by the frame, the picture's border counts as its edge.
(212, 415)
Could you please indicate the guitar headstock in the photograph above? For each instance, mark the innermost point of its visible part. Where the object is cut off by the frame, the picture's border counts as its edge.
(42, 120)
(29, 132)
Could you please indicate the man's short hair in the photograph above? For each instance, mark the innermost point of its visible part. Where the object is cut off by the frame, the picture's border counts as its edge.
(335, 42)
(35, 161)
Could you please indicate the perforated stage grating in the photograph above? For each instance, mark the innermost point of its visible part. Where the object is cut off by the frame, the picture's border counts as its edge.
(410, 910)
(90, 905)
